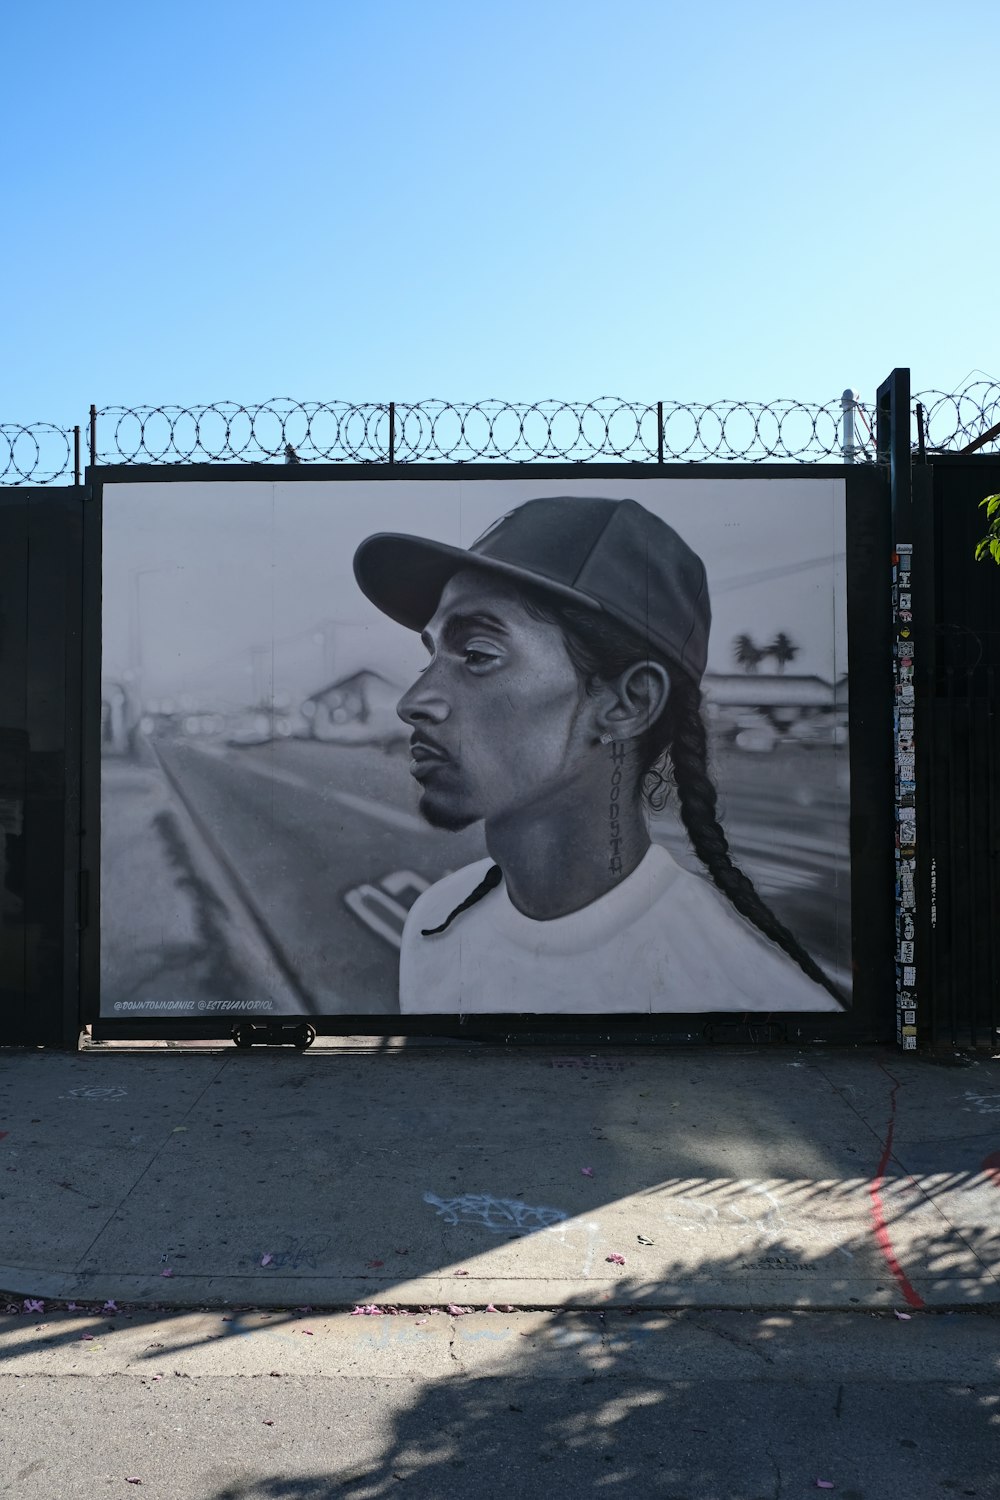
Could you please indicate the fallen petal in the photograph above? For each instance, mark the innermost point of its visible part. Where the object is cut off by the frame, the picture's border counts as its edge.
(110, 1306)
(825, 1484)
(587, 1171)
(373, 1265)
(266, 1260)
(903, 1317)
(615, 1259)
(461, 1273)
(167, 1272)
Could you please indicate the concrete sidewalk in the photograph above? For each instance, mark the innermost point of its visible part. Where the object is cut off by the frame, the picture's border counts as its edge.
(421, 1175)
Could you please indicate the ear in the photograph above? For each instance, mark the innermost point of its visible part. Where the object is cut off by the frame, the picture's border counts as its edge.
(633, 702)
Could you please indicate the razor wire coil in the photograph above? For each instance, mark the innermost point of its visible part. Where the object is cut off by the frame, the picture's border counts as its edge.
(609, 429)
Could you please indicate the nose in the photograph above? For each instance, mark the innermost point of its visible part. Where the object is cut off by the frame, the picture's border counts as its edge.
(423, 703)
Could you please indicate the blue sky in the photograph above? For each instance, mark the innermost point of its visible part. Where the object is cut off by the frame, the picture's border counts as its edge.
(444, 199)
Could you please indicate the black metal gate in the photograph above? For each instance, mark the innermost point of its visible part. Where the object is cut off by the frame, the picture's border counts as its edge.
(962, 740)
(40, 618)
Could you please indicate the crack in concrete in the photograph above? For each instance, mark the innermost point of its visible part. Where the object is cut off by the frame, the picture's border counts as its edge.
(735, 1340)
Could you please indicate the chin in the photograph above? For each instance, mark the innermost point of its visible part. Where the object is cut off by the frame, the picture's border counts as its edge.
(440, 814)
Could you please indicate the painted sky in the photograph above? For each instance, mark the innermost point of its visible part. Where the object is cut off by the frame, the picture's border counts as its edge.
(208, 576)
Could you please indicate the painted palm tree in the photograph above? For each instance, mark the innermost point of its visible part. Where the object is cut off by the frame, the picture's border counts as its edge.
(783, 649)
(747, 654)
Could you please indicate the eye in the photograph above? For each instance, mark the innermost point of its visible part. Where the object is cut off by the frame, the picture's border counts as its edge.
(480, 655)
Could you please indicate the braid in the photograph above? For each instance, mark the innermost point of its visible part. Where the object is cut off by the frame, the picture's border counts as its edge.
(489, 882)
(697, 800)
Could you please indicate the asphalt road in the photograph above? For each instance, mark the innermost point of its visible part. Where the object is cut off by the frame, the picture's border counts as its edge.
(688, 1406)
(325, 849)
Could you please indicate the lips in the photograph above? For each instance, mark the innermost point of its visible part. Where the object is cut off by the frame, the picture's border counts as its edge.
(426, 756)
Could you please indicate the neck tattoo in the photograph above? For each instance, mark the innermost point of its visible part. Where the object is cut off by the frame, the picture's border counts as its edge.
(614, 824)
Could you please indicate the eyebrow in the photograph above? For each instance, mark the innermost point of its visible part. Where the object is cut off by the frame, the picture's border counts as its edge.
(457, 625)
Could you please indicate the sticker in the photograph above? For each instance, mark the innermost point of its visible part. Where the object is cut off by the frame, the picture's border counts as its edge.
(904, 600)
(908, 1031)
(910, 976)
(909, 1044)
(909, 1018)
(906, 953)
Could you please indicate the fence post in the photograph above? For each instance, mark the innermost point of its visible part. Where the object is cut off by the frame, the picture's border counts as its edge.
(392, 432)
(93, 435)
(76, 456)
(909, 583)
(847, 401)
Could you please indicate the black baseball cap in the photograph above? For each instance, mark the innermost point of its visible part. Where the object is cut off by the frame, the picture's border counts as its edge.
(614, 556)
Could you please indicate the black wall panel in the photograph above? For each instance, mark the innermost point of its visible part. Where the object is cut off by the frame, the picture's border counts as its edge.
(40, 609)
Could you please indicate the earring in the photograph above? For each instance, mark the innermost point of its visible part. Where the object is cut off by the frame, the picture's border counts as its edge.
(607, 737)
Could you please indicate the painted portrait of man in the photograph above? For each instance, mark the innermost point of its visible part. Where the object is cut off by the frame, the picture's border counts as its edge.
(560, 702)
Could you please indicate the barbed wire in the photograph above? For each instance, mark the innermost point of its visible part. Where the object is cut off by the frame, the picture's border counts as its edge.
(493, 431)
(953, 421)
(35, 454)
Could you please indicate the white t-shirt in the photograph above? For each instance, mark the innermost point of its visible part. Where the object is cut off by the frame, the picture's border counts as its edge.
(663, 940)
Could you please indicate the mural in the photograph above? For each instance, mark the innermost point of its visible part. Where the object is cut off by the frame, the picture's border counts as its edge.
(475, 746)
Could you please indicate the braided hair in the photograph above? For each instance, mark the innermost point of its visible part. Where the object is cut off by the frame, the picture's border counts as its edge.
(674, 755)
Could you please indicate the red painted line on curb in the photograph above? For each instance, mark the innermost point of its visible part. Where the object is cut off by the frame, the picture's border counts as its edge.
(910, 1294)
(991, 1166)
